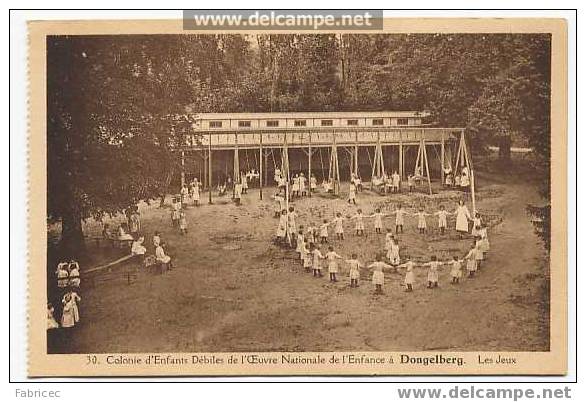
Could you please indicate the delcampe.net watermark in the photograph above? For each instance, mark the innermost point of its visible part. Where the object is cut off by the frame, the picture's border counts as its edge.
(283, 20)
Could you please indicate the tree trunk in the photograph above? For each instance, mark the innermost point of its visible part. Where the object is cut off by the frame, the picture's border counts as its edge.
(72, 240)
(505, 149)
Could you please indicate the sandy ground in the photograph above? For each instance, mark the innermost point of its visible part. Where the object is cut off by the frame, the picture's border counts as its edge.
(233, 290)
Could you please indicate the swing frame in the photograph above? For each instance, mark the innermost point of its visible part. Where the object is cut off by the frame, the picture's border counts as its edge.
(312, 140)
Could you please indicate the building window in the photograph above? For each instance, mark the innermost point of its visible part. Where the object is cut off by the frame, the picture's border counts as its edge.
(244, 123)
(215, 124)
(402, 122)
(300, 123)
(327, 122)
(272, 123)
(377, 122)
(352, 122)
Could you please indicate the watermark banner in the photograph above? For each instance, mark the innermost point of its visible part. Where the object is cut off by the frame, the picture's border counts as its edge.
(311, 20)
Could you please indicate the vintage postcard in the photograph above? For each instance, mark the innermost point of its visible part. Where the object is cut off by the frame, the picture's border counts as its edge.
(265, 194)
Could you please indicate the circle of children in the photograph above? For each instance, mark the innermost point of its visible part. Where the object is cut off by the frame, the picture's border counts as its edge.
(308, 242)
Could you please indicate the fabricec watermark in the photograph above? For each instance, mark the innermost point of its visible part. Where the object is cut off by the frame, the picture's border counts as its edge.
(283, 19)
(36, 393)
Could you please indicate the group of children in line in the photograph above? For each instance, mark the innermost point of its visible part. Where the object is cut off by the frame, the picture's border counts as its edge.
(191, 190)
(300, 184)
(461, 212)
(68, 282)
(386, 183)
(247, 178)
(307, 244)
(460, 181)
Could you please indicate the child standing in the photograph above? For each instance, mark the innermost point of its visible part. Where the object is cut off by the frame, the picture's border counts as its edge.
(338, 222)
(237, 193)
(359, 223)
(421, 223)
(462, 218)
(442, 216)
(51, 323)
(432, 274)
(393, 253)
(292, 221)
(323, 232)
(307, 256)
(331, 256)
(73, 299)
(302, 185)
(358, 183)
(316, 263)
(282, 227)
(389, 237)
(299, 243)
(396, 181)
(184, 194)
(479, 254)
(484, 240)
(62, 276)
(456, 271)
(295, 186)
(411, 182)
(182, 223)
(134, 224)
(175, 212)
(195, 192)
(67, 316)
(244, 182)
(471, 261)
(280, 204)
(355, 267)
(378, 276)
(378, 220)
(74, 279)
(352, 194)
(409, 275)
(311, 235)
(476, 224)
(399, 218)
(312, 183)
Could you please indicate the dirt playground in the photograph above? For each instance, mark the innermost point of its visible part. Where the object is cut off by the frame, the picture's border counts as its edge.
(232, 289)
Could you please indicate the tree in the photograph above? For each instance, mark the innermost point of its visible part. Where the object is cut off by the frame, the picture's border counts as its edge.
(115, 105)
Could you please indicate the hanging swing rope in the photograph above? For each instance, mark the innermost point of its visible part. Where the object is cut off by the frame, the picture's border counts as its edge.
(350, 159)
(370, 164)
(322, 164)
(274, 161)
(247, 161)
(334, 172)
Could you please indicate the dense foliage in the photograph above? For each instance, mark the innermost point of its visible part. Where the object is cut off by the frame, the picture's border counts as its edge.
(117, 105)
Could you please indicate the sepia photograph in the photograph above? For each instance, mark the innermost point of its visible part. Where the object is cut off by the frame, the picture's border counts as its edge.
(299, 192)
